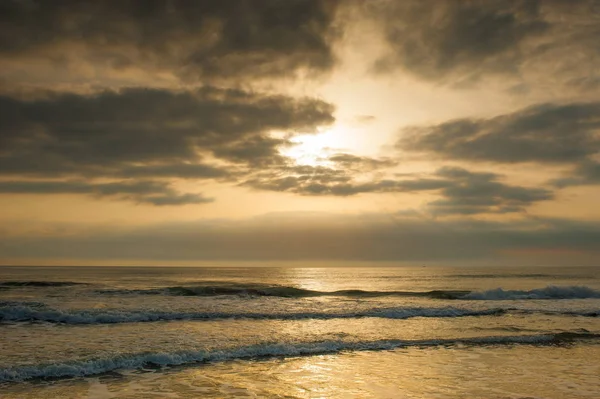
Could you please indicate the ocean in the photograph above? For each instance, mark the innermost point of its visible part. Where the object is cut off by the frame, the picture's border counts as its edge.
(404, 332)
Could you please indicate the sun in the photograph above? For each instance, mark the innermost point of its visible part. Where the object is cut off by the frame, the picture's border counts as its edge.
(314, 149)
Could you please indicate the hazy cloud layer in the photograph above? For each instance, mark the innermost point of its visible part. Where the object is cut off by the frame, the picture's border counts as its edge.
(462, 41)
(307, 236)
(148, 192)
(210, 39)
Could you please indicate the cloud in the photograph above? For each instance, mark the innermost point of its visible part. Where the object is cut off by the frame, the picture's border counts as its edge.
(170, 198)
(560, 134)
(547, 133)
(176, 170)
(210, 39)
(350, 161)
(364, 119)
(213, 133)
(436, 39)
(143, 192)
(335, 179)
(71, 133)
(295, 178)
(208, 133)
(586, 173)
(256, 151)
(473, 193)
(81, 43)
(461, 191)
(460, 42)
(311, 236)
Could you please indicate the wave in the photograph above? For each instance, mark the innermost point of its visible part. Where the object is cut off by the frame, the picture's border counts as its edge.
(10, 284)
(32, 304)
(20, 313)
(549, 292)
(277, 291)
(160, 359)
(259, 290)
(11, 311)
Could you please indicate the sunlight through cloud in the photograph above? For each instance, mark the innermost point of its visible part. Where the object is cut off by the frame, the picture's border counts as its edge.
(314, 149)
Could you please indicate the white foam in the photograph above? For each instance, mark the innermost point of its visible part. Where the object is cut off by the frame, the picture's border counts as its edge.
(549, 292)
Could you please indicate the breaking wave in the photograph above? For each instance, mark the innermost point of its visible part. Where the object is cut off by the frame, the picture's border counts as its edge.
(258, 290)
(550, 292)
(264, 290)
(27, 313)
(79, 368)
(11, 311)
(277, 291)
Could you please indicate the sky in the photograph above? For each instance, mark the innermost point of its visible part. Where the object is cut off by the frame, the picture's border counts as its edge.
(179, 132)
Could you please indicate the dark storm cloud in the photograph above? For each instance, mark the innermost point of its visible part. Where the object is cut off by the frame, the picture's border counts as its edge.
(306, 236)
(193, 39)
(461, 191)
(546, 133)
(461, 41)
(146, 131)
(150, 192)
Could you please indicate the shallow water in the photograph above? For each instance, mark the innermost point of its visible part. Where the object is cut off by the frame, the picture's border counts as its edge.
(305, 333)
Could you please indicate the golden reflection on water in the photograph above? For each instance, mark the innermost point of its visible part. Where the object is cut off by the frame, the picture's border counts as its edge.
(332, 279)
(307, 279)
(500, 372)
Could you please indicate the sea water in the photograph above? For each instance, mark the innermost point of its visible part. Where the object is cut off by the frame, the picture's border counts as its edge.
(371, 332)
